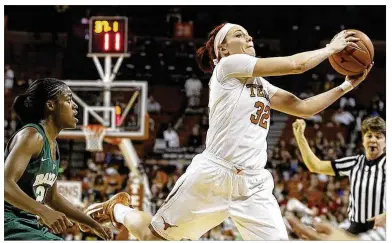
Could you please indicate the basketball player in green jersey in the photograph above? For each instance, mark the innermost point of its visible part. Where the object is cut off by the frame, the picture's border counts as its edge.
(31, 166)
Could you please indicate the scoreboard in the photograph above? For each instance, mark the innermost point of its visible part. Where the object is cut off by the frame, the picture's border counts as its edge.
(108, 35)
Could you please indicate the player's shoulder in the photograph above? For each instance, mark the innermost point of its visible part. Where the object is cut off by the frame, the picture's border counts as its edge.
(29, 136)
(31, 132)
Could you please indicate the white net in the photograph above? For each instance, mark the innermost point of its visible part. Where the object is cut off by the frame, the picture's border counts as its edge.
(94, 135)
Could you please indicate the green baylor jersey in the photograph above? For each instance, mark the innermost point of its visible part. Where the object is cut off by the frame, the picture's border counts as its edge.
(39, 176)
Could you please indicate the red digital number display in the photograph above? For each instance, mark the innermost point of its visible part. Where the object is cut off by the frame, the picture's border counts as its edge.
(108, 35)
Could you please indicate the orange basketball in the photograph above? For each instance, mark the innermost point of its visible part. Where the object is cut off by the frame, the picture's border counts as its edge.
(351, 61)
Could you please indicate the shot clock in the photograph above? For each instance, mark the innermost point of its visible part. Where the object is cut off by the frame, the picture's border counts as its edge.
(108, 35)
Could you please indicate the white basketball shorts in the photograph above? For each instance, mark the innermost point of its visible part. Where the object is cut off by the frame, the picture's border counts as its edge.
(210, 191)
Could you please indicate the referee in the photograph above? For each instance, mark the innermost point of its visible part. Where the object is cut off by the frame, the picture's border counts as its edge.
(366, 172)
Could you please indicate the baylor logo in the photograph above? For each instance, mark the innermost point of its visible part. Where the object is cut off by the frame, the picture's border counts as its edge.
(47, 178)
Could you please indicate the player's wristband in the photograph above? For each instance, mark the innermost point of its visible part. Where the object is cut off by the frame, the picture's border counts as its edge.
(346, 86)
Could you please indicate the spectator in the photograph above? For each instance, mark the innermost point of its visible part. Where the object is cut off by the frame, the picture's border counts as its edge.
(21, 83)
(195, 139)
(159, 145)
(343, 117)
(282, 145)
(151, 124)
(356, 136)
(306, 94)
(204, 119)
(330, 76)
(193, 87)
(347, 102)
(98, 189)
(117, 158)
(152, 105)
(171, 137)
(8, 78)
(173, 16)
(99, 157)
(132, 122)
(64, 169)
(316, 118)
(377, 107)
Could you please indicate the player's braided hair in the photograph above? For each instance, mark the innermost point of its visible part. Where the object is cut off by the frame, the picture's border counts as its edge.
(205, 61)
(30, 106)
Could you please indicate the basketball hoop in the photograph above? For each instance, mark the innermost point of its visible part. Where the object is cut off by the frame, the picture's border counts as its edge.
(94, 135)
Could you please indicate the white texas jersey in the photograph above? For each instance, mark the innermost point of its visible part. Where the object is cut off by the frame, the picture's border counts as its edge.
(239, 117)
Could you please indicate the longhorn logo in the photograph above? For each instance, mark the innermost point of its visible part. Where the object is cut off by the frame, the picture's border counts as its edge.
(342, 60)
(238, 170)
(167, 225)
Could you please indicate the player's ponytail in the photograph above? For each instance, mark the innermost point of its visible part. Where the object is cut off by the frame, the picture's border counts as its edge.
(30, 106)
(205, 54)
(20, 106)
(203, 59)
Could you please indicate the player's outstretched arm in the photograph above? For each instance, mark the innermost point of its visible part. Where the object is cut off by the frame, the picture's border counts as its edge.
(26, 145)
(311, 161)
(302, 62)
(56, 201)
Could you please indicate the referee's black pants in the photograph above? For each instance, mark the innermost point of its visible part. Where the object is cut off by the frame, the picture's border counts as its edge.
(357, 228)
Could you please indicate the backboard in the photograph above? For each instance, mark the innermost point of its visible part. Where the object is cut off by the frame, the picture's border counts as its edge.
(120, 106)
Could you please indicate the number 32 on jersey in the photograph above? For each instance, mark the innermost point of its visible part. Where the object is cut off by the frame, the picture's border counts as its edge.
(262, 115)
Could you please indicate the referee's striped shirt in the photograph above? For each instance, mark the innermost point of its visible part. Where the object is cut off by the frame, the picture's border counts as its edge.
(367, 185)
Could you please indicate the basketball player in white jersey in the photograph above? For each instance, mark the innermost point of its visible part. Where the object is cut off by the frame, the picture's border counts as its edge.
(228, 179)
